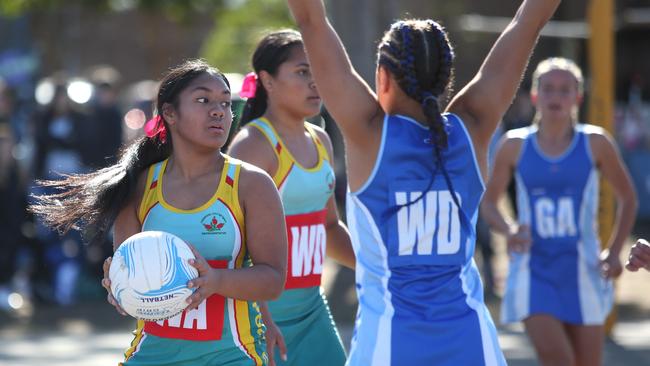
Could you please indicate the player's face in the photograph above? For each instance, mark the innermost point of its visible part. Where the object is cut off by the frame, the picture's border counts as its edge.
(204, 114)
(293, 87)
(557, 95)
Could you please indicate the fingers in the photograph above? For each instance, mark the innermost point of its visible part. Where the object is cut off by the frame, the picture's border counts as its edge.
(106, 283)
(197, 282)
(519, 243)
(611, 266)
(106, 266)
(634, 264)
(282, 346)
(641, 252)
(274, 337)
(201, 265)
(111, 300)
(270, 348)
(194, 300)
(639, 256)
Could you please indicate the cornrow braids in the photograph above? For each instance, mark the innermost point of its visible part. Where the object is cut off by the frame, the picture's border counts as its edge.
(420, 57)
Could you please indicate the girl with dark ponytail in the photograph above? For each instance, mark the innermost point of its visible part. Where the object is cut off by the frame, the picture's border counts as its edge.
(281, 95)
(415, 182)
(245, 264)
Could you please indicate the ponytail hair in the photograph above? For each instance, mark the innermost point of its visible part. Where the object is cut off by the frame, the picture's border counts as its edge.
(91, 202)
(271, 52)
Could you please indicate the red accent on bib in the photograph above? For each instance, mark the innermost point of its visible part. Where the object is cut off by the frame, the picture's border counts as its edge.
(307, 240)
(202, 324)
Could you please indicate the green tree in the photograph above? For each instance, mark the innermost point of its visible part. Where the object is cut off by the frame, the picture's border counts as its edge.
(178, 10)
(239, 27)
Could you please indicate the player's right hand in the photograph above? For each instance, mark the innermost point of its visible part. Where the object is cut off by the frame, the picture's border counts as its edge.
(274, 337)
(106, 283)
(519, 239)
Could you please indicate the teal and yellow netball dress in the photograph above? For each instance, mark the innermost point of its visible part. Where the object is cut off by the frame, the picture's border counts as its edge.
(301, 312)
(221, 331)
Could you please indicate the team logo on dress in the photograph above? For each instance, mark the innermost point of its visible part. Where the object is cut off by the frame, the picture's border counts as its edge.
(213, 224)
(331, 182)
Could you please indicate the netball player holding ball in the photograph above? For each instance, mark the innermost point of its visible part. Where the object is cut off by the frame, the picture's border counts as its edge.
(176, 180)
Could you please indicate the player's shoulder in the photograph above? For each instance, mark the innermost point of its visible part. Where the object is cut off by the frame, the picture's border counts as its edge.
(590, 130)
(520, 134)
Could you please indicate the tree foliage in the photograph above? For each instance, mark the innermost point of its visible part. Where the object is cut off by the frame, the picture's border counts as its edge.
(237, 30)
(179, 10)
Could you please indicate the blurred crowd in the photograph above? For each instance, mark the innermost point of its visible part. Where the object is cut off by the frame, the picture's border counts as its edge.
(66, 126)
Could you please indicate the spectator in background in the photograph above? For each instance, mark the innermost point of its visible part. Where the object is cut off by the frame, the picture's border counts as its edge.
(12, 200)
(634, 129)
(59, 132)
(104, 129)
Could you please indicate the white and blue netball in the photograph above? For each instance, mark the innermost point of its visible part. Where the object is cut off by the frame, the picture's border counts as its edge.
(149, 275)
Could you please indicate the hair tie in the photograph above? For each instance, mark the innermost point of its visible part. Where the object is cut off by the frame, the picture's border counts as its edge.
(430, 97)
(156, 127)
(249, 86)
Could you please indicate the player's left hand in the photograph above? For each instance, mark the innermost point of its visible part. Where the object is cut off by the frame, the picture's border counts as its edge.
(610, 264)
(205, 283)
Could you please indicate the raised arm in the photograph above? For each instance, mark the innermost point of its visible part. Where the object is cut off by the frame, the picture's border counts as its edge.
(484, 100)
(346, 95)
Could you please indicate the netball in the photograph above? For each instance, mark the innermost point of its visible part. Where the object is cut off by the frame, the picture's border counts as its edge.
(149, 275)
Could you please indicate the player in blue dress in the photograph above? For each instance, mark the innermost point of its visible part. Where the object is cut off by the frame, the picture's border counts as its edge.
(415, 182)
(559, 282)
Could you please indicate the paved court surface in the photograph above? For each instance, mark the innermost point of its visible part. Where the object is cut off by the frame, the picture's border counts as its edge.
(74, 339)
(93, 334)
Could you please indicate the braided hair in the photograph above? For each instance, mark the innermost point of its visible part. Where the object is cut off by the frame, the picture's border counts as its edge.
(419, 56)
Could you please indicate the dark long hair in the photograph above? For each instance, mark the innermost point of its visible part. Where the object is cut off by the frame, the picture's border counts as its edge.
(420, 57)
(271, 52)
(92, 201)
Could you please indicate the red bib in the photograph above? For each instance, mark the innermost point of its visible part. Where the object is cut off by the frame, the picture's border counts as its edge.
(307, 240)
(204, 323)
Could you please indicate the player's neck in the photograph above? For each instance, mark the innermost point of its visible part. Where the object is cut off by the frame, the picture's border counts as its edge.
(188, 165)
(284, 121)
(555, 131)
(409, 108)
